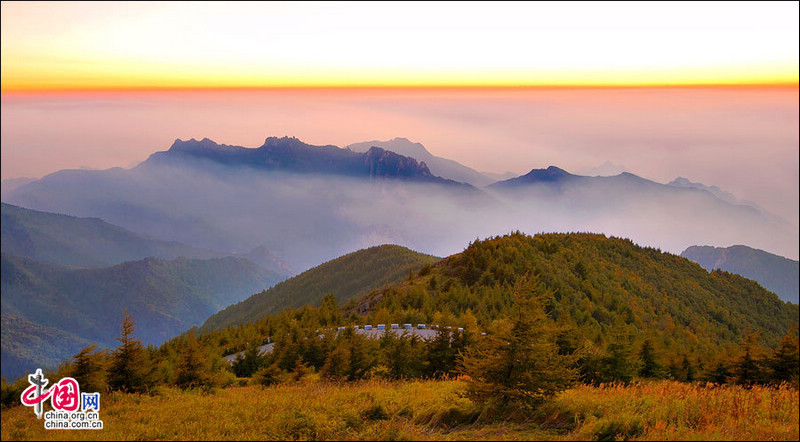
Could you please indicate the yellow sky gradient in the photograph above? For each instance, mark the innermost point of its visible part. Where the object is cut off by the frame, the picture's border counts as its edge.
(82, 46)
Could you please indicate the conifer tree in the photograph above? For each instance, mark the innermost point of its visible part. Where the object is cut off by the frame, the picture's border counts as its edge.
(89, 369)
(337, 364)
(620, 363)
(518, 364)
(719, 374)
(362, 359)
(441, 359)
(747, 369)
(651, 368)
(268, 375)
(194, 369)
(249, 362)
(785, 360)
(688, 369)
(130, 368)
(329, 311)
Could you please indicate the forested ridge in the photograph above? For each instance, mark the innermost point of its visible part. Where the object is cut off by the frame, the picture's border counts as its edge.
(597, 283)
(346, 277)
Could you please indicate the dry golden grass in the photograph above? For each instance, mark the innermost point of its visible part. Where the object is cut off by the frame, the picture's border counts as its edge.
(428, 410)
(676, 411)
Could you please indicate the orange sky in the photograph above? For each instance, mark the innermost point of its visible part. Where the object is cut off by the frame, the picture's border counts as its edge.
(108, 45)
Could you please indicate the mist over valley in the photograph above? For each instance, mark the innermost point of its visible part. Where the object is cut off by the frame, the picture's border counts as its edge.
(309, 204)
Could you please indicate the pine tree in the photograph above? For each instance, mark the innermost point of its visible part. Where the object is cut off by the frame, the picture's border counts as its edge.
(620, 363)
(518, 364)
(785, 360)
(650, 366)
(747, 369)
(362, 359)
(268, 375)
(130, 369)
(194, 369)
(287, 350)
(441, 358)
(89, 369)
(395, 354)
(249, 362)
(590, 366)
(688, 369)
(719, 374)
(337, 364)
(329, 311)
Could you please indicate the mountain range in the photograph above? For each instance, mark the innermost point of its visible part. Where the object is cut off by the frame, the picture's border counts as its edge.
(309, 204)
(305, 204)
(292, 155)
(775, 273)
(66, 281)
(647, 211)
(92, 242)
(84, 242)
(86, 304)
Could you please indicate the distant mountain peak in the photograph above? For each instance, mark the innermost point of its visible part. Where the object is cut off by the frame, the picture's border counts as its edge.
(552, 176)
(263, 257)
(400, 145)
(441, 167)
(285, 140)
(556, 177)
(606, 169)
(193, 144)
(714, 190)
(681, 181)
(385, 162)
(552, 173)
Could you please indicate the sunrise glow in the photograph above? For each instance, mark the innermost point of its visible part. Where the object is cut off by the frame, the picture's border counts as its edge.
(79, 46)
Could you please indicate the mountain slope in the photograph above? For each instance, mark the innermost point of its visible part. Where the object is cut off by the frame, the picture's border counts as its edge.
(165, 297)
(346, 277)
(27, 345)
(439, 166)
(775, 273)
(12, 183)
(72, 241)
(726, 196)
(714, 190)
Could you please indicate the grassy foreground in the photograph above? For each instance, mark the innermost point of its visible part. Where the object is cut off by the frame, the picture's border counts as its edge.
(431, 410)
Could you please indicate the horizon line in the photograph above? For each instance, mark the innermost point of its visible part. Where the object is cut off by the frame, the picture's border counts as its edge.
(476, 87)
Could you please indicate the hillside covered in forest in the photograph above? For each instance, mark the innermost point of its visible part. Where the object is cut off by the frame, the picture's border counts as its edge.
(51, 311)
(598, 285)
(346, 277)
